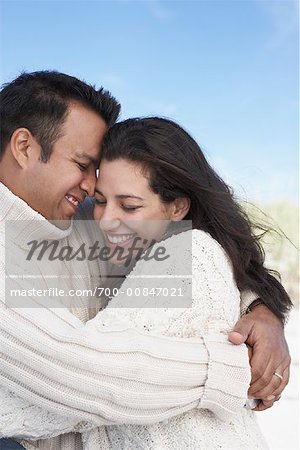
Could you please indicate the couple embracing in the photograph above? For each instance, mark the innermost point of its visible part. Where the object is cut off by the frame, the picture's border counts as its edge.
(178, 363)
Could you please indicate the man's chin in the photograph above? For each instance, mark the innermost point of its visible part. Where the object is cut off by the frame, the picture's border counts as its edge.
(63, 224)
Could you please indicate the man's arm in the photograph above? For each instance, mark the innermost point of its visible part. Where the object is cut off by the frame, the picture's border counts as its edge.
(77, 370)
(122, 374)
(76, 379)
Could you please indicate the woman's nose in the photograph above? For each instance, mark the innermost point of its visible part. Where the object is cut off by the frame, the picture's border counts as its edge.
(110, 219)
(109, 225)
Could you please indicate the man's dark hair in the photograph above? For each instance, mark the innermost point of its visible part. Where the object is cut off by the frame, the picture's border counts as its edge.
(39, 102)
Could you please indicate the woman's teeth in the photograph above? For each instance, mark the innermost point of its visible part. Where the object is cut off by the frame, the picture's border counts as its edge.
(72, 200)
(119, 239)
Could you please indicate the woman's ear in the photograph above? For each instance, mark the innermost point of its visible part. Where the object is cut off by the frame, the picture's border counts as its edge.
(180, 208)
(20, 144)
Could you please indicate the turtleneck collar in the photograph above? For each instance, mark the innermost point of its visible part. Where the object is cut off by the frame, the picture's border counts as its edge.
(32, 225)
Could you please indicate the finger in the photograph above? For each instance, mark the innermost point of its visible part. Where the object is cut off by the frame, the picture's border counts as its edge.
(261, 364)
(250, 352)
(275, 385)
(284, 382)
(266, 404)
(263, 405)
(241, 330)
(236, 338)
(261, 373)
(269, 388)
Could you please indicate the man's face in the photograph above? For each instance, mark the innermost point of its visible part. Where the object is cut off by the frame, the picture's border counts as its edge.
(55, 188)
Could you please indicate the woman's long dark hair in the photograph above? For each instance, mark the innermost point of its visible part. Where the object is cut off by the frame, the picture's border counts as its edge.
(178, 168)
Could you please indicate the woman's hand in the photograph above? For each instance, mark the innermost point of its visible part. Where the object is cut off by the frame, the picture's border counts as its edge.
(263, 332)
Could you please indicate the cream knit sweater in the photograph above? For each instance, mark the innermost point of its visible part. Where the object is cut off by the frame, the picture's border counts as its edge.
(59, 376)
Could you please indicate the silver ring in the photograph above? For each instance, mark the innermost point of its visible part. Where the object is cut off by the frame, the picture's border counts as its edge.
(278, 375)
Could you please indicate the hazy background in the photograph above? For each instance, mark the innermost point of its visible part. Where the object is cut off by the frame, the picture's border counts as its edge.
(226, 70)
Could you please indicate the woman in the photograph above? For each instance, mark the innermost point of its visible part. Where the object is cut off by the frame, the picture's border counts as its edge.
(152, 176)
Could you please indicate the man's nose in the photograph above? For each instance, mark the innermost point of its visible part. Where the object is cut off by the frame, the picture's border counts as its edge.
(88, 183)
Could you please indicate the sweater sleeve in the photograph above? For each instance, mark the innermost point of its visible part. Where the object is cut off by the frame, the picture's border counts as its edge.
(247, 297)
(111, 371)
(58, 368)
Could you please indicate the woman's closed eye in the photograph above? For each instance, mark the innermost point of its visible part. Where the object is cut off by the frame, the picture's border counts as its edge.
(130, 208)
(100, 202)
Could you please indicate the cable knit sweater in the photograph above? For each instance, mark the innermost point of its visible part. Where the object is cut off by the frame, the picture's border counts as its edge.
(59, 376)
(220, 421)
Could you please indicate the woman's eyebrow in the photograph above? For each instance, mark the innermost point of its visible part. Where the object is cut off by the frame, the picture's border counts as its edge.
(121, 196)
(129, 196)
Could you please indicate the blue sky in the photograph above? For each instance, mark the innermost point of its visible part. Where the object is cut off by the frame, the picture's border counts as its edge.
(227, 70)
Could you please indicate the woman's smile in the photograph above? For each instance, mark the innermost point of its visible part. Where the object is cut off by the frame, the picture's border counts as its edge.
(119, 239)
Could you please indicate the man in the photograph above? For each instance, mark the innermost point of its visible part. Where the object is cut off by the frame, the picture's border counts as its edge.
(52, 126)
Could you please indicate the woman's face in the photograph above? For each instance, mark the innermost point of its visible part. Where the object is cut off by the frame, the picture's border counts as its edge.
(130, 214)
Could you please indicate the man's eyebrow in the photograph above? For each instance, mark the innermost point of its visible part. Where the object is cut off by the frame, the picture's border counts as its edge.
(121, 196)
(87, 156)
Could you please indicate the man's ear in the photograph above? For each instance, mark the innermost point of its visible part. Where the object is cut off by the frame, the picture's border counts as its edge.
(181, 206)
(21, 144)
